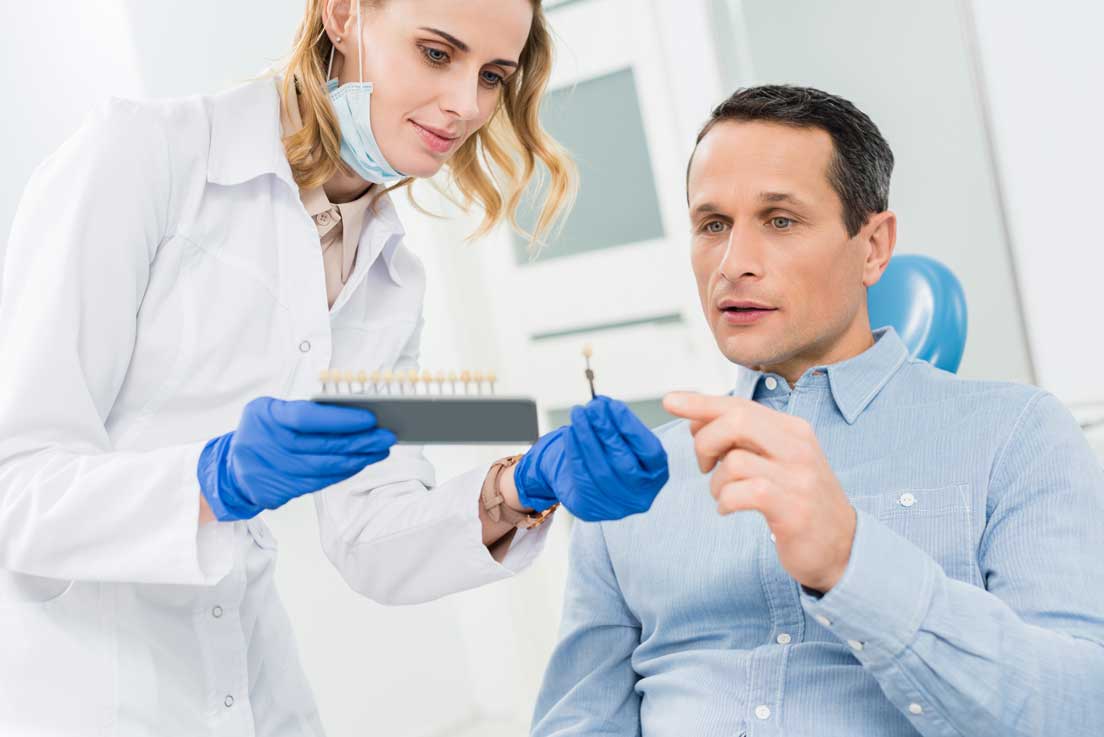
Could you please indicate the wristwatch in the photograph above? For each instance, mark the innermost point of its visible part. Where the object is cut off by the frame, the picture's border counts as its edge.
(495, 503)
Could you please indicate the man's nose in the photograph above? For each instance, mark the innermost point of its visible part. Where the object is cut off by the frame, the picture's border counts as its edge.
(743, 256)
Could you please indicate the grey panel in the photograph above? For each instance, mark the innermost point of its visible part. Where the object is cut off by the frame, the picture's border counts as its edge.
(599, 122)
(449, 420)
(650, 412)
(672, 318)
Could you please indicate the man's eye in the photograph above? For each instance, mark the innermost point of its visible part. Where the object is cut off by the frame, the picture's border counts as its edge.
(781, 223)
(714, 227)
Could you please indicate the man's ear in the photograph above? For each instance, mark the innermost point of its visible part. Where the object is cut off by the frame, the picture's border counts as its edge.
(879, 235)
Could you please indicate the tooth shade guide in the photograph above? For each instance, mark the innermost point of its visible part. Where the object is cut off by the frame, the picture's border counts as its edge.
(408, 382)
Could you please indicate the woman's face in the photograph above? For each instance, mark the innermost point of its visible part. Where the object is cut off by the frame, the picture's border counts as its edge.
(437, 67)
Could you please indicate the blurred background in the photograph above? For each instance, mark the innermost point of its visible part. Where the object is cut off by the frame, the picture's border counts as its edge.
(992, 108)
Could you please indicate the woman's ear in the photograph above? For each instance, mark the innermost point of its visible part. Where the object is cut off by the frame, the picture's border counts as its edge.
(880, 237)
(339, 20)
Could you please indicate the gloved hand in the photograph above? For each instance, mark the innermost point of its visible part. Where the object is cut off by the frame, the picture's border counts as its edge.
(282, 450)
(604, 466)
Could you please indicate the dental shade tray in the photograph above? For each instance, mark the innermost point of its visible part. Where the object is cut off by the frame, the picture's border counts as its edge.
(436, 409)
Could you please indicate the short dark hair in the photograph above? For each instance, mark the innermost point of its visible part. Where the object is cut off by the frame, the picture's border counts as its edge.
(863, 161)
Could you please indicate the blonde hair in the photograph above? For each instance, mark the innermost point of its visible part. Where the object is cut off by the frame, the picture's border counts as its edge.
(492, 168)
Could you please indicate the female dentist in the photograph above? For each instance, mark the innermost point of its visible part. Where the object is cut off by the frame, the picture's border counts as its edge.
(178, 274)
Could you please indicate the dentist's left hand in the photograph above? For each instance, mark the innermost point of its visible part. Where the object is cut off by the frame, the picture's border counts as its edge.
(282, 450)
(604, 466)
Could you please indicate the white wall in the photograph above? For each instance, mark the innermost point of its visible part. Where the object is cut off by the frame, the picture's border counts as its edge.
(1043, 67)
(908, 66)
(49, 83)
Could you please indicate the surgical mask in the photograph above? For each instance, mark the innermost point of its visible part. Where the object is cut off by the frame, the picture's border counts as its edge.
(353, 104)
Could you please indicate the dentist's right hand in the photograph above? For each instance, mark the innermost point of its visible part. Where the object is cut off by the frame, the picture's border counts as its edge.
(604, 466)
(282, 450)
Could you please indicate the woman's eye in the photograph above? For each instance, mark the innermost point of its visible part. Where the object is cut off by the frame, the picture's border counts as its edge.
(435, 56)
(491, 79)
(781, 223)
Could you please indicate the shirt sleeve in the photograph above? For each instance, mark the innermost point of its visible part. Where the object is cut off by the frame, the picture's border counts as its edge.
(1024, 655)
(590, 685)
(397, 537)
(77, 265)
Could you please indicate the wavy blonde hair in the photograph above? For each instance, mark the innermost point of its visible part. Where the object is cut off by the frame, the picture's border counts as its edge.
(492, 168)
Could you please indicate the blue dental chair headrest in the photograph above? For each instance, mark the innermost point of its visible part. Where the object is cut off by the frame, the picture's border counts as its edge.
(925, 304)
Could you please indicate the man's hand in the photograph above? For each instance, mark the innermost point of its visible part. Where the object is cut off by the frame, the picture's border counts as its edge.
(771, 462)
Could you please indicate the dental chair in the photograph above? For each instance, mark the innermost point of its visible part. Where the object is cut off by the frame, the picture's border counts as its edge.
(924, 302)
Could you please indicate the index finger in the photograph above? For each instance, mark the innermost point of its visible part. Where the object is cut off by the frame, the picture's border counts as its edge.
(731, 422)
(700, 407)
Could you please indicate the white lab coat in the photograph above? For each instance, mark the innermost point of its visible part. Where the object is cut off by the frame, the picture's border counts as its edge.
(161, 273)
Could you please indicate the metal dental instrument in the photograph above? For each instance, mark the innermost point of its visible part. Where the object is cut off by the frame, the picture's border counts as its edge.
(588, 351)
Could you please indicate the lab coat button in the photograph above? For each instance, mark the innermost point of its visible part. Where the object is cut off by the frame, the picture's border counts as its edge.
(305, 346)
(216, 612)
(229, 701)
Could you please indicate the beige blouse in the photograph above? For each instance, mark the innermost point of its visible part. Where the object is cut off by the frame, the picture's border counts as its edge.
(339, 226)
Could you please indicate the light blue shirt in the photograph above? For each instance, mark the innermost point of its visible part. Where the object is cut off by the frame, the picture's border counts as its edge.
(973, 603)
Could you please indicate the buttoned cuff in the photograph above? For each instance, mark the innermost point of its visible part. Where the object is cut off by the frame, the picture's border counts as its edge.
(210, 551)
(885, 592)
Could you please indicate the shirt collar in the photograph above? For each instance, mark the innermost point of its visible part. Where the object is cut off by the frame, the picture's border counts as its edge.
(246, 135)
(856, 381)
(247, 126)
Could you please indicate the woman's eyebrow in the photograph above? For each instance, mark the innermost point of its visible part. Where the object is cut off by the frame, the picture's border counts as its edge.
(449, 38)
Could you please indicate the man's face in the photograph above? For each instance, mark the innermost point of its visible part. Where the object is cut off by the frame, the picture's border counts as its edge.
(781, 283)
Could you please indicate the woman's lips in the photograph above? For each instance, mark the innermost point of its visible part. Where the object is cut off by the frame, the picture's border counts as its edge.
(435, 142)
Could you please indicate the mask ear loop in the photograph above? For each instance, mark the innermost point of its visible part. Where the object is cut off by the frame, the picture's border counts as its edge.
(333, 46)
(360, 45)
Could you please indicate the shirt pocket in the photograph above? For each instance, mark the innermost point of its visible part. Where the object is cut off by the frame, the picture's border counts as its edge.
(938, 521)
(20, 590)
(375, 346)
(57, 669)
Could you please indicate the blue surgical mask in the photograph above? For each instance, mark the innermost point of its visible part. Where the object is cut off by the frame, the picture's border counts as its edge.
(353, 104)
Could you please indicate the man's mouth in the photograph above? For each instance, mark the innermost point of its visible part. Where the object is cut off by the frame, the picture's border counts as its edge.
(744, 312)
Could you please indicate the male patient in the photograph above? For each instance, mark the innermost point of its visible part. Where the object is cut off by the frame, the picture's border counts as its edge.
(853, 543)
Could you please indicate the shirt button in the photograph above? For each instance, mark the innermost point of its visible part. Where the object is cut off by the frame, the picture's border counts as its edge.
(906, 500)
(305, 346)
(229, 701)
(772, 383)
(762, 712)
(784, 639)
(855, 645)
(916, 709)
(216, 612)
(773, 538)
(823, 620)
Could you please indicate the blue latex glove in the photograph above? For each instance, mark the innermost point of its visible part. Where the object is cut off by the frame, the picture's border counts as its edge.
(604, 466)
(282, 450)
